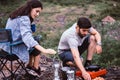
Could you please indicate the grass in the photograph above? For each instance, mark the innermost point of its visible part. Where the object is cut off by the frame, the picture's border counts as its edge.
(7, 8)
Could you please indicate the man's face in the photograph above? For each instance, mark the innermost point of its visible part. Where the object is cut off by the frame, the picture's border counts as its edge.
(82, 32)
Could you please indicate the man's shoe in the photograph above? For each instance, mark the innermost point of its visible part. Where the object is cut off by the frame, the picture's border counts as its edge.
(87, 63)
(93, 67)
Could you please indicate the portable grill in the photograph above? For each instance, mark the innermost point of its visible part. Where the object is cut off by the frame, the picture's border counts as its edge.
(93, 70)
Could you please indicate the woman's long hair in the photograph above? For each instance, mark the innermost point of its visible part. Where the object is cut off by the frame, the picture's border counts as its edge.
(26, 9)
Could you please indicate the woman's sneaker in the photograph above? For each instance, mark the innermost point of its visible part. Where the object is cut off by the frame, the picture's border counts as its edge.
(33, 71)
(28, 67)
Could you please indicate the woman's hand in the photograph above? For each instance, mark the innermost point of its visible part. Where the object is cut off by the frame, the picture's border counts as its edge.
(51, 51)
(86, 76)
(43, 50)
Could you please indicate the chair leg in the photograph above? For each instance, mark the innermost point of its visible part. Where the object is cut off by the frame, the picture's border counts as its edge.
(3, 62)
(22, 65)
(11, 70)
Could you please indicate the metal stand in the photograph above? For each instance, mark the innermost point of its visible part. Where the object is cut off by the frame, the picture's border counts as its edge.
(56, 75)
(70, 75)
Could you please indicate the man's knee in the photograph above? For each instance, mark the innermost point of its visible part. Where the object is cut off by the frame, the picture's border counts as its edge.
(92, 38)
(70, 63)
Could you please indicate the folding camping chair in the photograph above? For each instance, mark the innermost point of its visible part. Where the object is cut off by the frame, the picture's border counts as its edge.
(6, 38)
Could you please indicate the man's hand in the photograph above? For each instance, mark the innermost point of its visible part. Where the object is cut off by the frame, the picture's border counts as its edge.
(86, 75)
(98, 49)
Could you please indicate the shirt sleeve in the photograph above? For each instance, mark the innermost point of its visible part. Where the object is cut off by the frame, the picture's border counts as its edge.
(73, 43)
(25, 30)
(90, 30)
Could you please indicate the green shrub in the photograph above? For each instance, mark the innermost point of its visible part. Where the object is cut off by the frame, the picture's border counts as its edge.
(110, 55)
(70, 2)
(111, 47)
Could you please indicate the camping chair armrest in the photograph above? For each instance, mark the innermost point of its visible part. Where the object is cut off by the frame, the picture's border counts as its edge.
(16, 43)
(38, 38)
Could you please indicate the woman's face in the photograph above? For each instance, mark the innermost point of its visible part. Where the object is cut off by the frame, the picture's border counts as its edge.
(35, 12)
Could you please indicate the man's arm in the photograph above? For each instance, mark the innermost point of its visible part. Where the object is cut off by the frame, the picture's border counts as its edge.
(79, 64)
(96, 34)
(98, 40)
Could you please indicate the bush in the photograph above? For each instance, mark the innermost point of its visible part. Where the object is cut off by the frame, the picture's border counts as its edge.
(70, 2)
(111, 51)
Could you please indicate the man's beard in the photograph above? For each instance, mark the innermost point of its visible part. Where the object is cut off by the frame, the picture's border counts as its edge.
(81, 35)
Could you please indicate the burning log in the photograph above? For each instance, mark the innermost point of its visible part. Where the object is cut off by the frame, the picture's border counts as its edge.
(93, 74)
(98, 78)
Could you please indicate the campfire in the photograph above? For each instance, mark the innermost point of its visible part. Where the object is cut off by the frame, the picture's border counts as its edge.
(98, 78)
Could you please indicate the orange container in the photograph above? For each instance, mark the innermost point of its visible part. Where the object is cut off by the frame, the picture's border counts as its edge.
(93, 74)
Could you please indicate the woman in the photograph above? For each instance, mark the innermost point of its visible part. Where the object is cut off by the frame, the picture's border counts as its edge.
(20, 23)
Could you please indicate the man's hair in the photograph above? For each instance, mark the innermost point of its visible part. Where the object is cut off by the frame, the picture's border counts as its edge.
(26, 8)
(84, 22)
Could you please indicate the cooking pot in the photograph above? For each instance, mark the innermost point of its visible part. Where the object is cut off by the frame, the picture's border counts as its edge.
(93, 68)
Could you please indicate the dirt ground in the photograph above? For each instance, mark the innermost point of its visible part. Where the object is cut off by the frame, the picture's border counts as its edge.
(54, 17)
(113, 73)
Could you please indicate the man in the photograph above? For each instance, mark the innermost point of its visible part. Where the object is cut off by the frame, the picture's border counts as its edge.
(75, 40)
